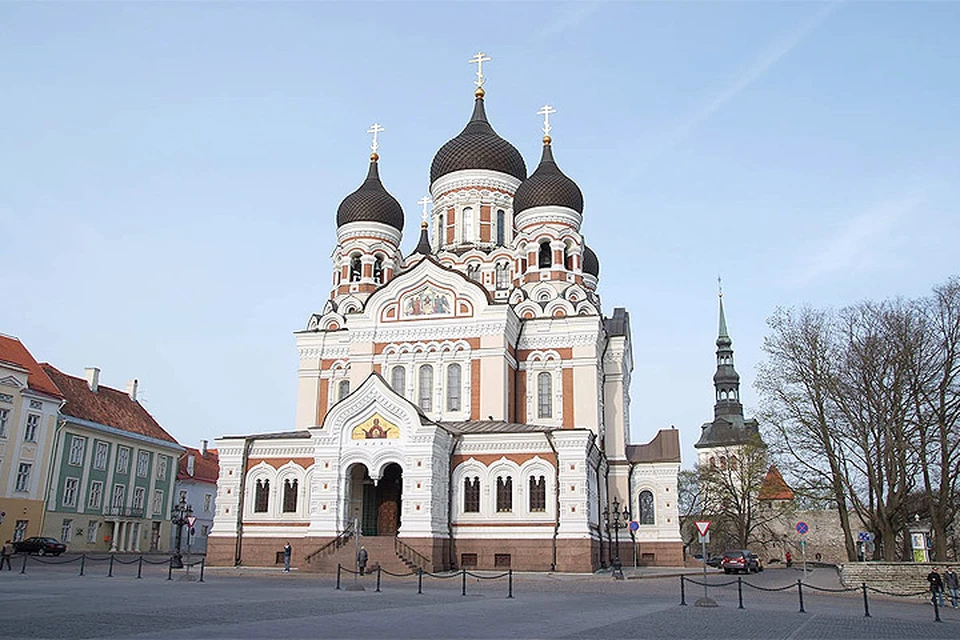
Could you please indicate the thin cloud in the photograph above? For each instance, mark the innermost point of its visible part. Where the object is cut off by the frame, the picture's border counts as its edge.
(570, 17)
(760, 66)
(861, 244)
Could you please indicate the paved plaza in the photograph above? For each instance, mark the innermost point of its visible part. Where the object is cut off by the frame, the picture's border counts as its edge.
(55, 602)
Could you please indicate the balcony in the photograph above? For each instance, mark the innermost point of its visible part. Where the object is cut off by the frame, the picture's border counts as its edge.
(124, 512)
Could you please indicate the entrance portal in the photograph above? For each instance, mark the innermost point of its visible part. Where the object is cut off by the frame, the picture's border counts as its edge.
(380, 504)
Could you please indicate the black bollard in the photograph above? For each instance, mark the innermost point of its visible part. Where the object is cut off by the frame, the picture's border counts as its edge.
(936, 609)
(378, 578)
(140, 568)
(509, 583)
(683, 593)
(420, 580)
(338, 575)
(83, 560)
(800, 593)
(740, 591)
(110, 573)
(170, 569)
(203, 563)
(866, 605)
(23, 569)
(463, 576)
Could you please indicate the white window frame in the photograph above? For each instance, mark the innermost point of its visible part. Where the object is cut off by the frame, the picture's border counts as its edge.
(207, 502)
(93, 528)
(95, 497)
(20, 530)
(425, 395)
(454, 385)
(119, 491)
(123, 460)
(66, 530)
(23, 477)
(78, 446)
(162, 467)
(158, 502)
(31, 427)
(143, 464)
(70, 487)
(4, 416)
(101, 456)
(139, 496)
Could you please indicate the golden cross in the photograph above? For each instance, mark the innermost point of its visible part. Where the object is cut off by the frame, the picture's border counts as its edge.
(375, 128)
(545, 111)
(479, 59)
(423, 202)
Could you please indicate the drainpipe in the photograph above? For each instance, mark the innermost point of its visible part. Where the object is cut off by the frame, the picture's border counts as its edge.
(238, 552)
(50, 469)
(556, 484)
(450, 490)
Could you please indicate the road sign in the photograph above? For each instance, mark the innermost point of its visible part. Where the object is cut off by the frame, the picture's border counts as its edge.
(191, 520)
(802, 527)
(864, 536)
(634, 525)
(703, 526)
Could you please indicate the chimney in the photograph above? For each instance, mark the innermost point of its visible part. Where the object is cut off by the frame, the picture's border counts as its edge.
(190, 459)
(203, 448)
(92, 374)
(132, 389)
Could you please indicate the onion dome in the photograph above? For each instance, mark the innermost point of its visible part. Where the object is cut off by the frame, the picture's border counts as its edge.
(478, 147)
(548, 186)
(371, 202)
(591, 264)
(423, 247)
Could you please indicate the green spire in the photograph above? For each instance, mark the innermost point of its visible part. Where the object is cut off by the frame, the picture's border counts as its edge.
(723, 321)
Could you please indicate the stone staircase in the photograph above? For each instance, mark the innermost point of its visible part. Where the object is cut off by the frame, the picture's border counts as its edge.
(380, 551)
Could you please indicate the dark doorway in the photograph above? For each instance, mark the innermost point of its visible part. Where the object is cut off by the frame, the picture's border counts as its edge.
(381, 503)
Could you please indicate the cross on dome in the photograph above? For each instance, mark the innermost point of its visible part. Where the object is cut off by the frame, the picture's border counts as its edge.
(478, 60)
(423, 202)
(375, 128)
(545, 111)
(719, 287)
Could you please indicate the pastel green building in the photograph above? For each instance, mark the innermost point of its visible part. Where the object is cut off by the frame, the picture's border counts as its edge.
(114, 469)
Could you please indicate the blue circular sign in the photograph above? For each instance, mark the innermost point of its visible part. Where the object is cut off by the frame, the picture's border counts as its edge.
(634, 525)
(802, 527)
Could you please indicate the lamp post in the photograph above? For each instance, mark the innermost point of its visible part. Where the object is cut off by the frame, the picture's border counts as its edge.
(181, 512)
(617, 520)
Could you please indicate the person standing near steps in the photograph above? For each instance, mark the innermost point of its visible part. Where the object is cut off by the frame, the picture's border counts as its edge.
(5, 555)
(362, 559)
(287, 552)
(936, 587)
(952, 582)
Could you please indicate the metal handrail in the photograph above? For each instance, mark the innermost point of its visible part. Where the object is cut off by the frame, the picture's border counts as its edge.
(335, 544)
(402, 549)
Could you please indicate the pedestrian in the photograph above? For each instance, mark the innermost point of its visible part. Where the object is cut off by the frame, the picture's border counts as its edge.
(952, 583)
(287, 551)
(936, 586)
(362, 559)
(789, 560)
(5, 554)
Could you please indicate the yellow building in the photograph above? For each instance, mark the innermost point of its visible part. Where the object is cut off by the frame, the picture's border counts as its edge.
(29, 403)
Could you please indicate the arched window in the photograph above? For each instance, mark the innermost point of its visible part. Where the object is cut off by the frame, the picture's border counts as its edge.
(646, 508)
(501, 230)
(378, 270)
(467, 223)
(473, 272)
(425, 392)
(441, 230)
(504, 494)
(503, 275)
(343, 389)
(545, 256)
(398, 380)
(355, 268)
(544, 395)
(290, 496)
(471, 495)
(538, 493)
(262, 501)
(567, 257)
(453, 387)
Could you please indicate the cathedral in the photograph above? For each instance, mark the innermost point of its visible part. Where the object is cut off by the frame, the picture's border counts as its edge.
(466, 405)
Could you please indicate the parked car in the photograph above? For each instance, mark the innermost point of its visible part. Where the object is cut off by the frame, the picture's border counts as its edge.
(740, 560)
(40, 545)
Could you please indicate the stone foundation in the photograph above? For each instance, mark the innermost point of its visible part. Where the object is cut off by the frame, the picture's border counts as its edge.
(657, 554)
(895, 577)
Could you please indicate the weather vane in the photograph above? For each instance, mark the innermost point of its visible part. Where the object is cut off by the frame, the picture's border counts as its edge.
(375, 128)
(545, 111)
(479, 59)
(423, 202)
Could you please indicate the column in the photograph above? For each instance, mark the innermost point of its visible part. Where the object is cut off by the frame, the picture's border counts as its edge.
(136, 536)
(113, 538)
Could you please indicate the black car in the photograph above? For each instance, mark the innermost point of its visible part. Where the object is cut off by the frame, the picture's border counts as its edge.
(40, 545)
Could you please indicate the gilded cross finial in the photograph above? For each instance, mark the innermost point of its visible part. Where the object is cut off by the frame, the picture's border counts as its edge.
(478, 60)
(375, 128)
(719, 287)
(545, 111)
(424, 202)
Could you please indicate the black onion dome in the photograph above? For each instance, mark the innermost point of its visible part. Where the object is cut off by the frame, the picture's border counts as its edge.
(591, 264)
(371, 203)
(423, 247)
(478, 147)
(548, 186)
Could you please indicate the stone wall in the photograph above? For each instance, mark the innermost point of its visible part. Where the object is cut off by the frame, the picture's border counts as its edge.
(824, 536)
(895, 577)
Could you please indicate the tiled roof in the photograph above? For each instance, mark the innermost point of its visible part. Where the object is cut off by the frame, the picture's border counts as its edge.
(774, 487)
(205, 468)
(13, 351)
(109, 407)
(491, 426)
(665, 447)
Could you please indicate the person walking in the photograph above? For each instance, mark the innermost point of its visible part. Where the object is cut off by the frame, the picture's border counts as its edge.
(952, 582)
(936, 586)
(362, 559)
(789, 558)
(5, 555)
(287, 552)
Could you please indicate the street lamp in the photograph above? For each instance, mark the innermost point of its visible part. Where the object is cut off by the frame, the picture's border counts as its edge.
(181, 512)
(617, 520)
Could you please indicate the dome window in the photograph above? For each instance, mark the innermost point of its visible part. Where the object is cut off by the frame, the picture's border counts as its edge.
(544, 257)
(355, 268)
(378, 270)
(501, 231)
(467, 232)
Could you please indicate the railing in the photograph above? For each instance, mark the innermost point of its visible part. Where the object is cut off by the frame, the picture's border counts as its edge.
(333, 545)
(409, 555)
(124, 512)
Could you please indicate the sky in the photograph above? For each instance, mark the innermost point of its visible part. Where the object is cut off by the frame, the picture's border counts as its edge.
(170, 173)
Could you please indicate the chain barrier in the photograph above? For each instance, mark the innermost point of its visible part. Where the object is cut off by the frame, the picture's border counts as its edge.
(800, 585)
(84, 558)
(43, 560)
(420, 573)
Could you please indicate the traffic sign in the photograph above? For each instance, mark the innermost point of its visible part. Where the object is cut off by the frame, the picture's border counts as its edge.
(864, 536)
(802, 527)
(703, 526)
(634, 525)
(191, 520)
